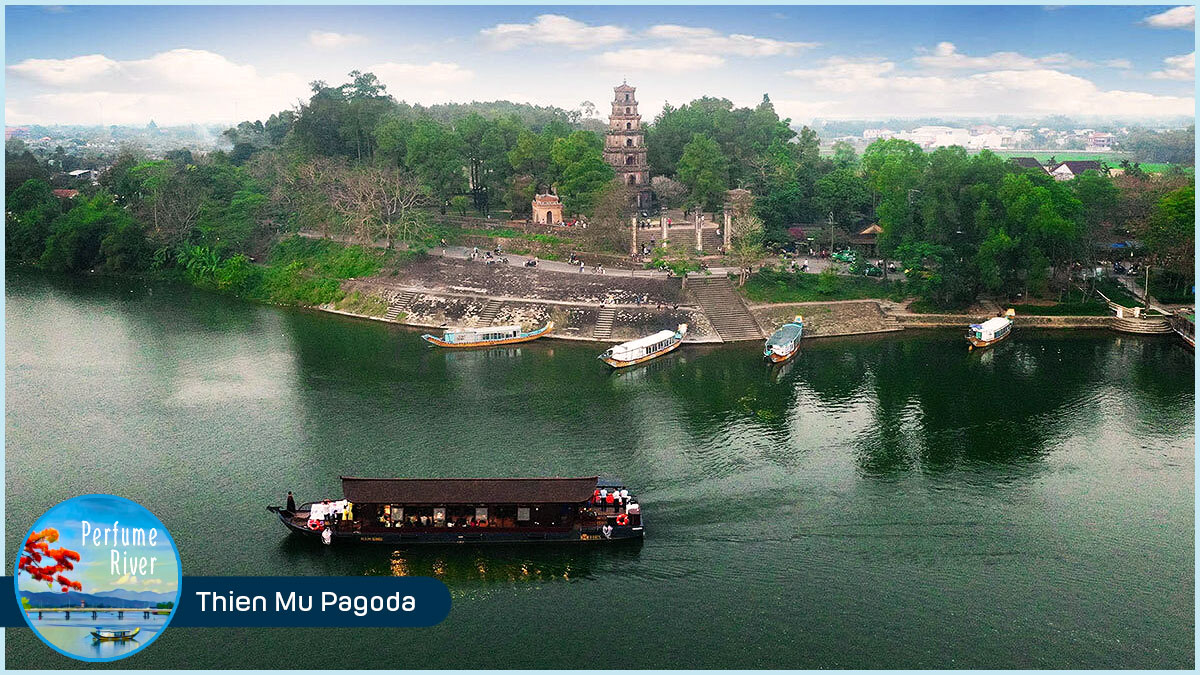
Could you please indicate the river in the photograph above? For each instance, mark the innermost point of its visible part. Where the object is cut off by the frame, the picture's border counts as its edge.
(885, 502)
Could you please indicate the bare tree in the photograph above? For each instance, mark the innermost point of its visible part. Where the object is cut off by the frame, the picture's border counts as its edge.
(670, 192)
(746, 244)
(376, 202)
(609, 227)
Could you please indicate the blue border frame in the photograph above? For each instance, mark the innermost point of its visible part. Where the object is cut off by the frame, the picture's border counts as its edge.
(178, 585)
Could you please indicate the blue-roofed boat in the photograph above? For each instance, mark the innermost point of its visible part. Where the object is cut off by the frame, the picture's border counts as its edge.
(487, 336)
(784, 343)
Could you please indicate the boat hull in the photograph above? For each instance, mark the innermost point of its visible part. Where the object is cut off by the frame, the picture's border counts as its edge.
(976, 343)
(541, 332)
(473, 535)
(649, 357)
(106, 636)
(780, 358)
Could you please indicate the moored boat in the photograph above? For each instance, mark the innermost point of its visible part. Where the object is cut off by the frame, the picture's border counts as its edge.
(643, 349)
(470, 510)
(116, 633)
(783, 343)
(991, 331)
(487, 336)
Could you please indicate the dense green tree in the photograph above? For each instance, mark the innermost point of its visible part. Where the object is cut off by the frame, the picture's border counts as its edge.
(435, 153)
(581, 170)
(704, 170)
(32, 209)
(75, 240)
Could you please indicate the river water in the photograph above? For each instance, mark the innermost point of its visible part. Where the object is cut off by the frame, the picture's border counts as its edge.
(893, 501)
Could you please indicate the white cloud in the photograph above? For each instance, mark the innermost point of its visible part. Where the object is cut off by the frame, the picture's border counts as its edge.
(874, 87)
(1177, 68)
(946, 55)
(328, 40)
(152, 582)
(552, 29)
(435, 72)
(709, 41)
(1177, 17)
(665, 59)
(1123, 64)
(173, 87)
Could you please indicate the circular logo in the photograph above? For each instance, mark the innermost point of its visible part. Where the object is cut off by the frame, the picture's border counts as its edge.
(98, 578)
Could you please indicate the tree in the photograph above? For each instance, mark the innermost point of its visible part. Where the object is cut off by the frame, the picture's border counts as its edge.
(435, 154)
(746, 244)
(1170, 236)
(32, 209)
(844, 194)
(608, 229)
(582, 172)
(74, 243)
(702, 168)
(671, 193)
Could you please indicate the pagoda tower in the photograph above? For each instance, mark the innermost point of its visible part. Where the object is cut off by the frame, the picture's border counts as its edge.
(625, 144)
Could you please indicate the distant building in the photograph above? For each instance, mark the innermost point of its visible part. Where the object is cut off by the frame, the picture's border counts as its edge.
(547, 209)
(1027, 162)
(625, 144)
(1069, 170)
(1101, 141)
(66, 194)
(865, 239)
(83, 174)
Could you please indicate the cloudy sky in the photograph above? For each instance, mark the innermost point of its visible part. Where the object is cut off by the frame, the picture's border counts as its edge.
(128, 65)
(94, 569)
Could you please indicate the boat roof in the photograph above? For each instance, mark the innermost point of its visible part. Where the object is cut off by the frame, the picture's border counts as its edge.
(485, 329)
(646, 341)
(468, 490)
(787, 333)
(994, 323)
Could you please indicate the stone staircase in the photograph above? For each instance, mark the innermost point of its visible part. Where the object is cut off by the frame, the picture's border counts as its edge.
(710, 241)
(399, 303)
(724, 308)
(604, 323)
(1146, 326)
(489, 312)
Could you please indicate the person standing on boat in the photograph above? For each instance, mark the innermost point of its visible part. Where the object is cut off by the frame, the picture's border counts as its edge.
(291, 502)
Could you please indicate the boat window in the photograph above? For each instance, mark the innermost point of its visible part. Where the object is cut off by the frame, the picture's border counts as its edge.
(397, 513)
(481, 513)
(522, 513)
(439, 516)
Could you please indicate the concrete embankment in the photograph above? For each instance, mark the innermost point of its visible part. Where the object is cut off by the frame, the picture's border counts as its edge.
(964, 320)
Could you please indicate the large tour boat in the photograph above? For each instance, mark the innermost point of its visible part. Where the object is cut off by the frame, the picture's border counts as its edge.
(643, 349)
(487, 336)
(470, 510)
(991, 331)
(784, 343)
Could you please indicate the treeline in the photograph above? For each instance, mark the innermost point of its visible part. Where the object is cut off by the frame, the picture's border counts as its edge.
(353, 162)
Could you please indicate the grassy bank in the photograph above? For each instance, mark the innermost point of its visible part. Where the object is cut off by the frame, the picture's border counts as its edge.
(770, 285)
(298, 271)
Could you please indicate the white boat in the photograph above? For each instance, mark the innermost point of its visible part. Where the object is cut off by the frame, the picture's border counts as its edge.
(782, 344)
(116, 633)
(643, 349)
(991, 331)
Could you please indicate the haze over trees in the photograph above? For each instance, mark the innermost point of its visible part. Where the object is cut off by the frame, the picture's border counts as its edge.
(353, 163)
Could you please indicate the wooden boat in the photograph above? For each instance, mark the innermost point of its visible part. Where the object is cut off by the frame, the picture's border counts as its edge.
(115, 633)
(643, 349)
(487, 336)
(469, 510)
(991, 331)
(783, 343)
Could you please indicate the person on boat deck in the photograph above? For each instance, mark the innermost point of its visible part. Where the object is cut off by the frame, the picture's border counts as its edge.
(624, 495)
(291, 501)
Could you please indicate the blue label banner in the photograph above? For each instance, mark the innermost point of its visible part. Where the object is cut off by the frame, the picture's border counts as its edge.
(293, 602)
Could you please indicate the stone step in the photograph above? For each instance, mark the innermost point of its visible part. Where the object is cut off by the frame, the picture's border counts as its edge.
(604, 323)
(726, 311)
(399, 303)
(489, 312)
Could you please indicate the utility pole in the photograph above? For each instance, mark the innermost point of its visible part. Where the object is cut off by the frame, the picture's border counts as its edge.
(831, 233)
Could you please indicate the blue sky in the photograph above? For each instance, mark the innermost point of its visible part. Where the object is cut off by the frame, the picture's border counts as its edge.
(94, 570)
(178, 64)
